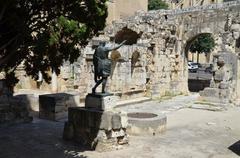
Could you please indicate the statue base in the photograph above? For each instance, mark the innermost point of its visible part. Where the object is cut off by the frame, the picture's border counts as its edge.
(96, 129)
(101, 101)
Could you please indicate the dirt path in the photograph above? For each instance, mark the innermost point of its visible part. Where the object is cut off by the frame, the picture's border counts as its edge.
(190, 133)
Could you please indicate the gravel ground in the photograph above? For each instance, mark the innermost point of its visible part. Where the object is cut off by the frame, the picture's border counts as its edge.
(191, 133)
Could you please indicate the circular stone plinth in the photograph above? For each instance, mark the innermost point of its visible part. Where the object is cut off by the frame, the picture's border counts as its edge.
(142, 123)
(141, 115)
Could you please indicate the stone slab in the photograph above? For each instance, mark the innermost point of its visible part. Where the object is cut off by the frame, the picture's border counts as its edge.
(101, 101)
(92, 118)
(100, 130)
(55, 106)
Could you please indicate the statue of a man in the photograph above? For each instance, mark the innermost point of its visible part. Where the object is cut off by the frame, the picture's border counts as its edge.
(102, 65)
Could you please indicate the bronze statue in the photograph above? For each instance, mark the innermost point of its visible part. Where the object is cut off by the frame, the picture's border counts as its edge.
(102, 65)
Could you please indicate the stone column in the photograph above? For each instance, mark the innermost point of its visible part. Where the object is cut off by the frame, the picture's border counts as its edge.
(54, 81)
(238, 83)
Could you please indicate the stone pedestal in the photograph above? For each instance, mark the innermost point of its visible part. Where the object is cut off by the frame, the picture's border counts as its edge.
(146, 124)
(55, 106)
(216, 95)
(97, 126)
(101, 101)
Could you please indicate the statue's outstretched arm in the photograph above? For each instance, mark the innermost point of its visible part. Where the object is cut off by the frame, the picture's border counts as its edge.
(114, 48)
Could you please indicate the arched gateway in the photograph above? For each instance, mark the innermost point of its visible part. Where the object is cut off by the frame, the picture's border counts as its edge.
(164, 38)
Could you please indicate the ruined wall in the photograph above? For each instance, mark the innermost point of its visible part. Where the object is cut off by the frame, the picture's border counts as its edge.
(163, 38)
(12, 109)
(154, 62)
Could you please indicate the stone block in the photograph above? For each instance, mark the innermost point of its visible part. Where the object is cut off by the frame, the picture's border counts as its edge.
(100, 101)
(219, 75)
(30, 100)
(117, 133)
(74, 98)
(91, 118)
(210, 92)
(94, 128)
(224, 85)
(54, 106)
(236, 35)
(101, 135)
(4, 99)
(124, 120)
(106, 121)
(106, 145)
(235, 27)
(224, 93)
(116, 121)
(68, 132)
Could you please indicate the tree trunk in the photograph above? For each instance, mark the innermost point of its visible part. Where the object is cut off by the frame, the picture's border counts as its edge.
(197, 57)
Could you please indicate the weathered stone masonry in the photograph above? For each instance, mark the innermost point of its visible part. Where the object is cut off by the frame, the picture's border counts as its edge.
(154, 60)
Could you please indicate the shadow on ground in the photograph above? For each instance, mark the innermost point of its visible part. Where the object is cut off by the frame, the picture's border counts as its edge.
(39, 139)
(235, 148)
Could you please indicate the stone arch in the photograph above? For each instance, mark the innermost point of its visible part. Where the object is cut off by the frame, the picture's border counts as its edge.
(190, 41)
(197, 81)
(126, 34)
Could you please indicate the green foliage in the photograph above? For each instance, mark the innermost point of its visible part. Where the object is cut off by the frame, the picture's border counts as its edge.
(42, 34)
(157, 4)
(203, 44)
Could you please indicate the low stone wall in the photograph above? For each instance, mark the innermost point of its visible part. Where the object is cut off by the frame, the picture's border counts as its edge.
(55, 106)
(12, 110)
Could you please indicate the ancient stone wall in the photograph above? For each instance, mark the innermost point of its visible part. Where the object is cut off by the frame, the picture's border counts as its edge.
(190, 3)
(153, 62)
(12, 109)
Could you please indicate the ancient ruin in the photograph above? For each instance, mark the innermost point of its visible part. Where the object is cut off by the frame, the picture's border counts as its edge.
(152, 63)
(97, 125)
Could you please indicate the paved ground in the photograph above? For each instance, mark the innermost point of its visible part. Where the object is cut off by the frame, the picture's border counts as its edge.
(190, 133)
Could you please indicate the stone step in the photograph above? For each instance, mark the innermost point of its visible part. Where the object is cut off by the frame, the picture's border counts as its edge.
(209, 106)
(132, 101)
(121, 103)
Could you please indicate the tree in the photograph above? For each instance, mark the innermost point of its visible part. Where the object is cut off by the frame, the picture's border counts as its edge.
(157, 4)
(42, 34)
(202, 44)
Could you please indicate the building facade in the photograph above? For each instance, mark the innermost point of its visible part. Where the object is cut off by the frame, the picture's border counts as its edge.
(118, 9)
(180, 4)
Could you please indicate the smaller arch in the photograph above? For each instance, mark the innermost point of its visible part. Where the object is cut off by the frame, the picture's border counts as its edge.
(127, 34)
(190, 41)
(199, 75)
